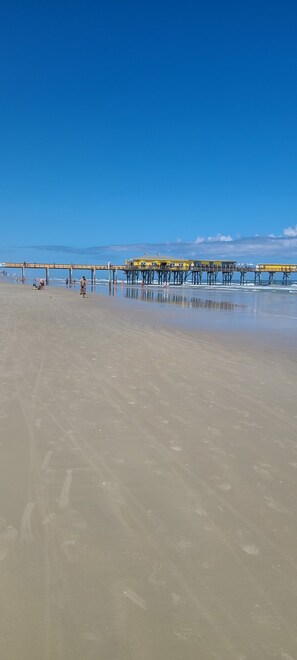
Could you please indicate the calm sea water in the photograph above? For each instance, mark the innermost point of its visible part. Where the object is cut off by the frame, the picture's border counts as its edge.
(246, 307)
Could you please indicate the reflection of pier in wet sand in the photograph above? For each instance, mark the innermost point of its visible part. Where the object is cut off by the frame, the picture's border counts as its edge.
(164, 296)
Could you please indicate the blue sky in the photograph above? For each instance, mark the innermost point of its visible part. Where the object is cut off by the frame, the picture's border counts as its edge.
(130, 127)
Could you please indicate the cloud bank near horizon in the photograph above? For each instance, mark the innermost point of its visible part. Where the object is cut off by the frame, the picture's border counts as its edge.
(221, 246)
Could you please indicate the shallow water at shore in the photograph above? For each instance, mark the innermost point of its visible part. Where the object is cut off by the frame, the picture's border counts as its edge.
(242, 308)
(248, 307)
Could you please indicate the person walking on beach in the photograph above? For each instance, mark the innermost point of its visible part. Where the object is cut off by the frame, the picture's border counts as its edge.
(83, 286)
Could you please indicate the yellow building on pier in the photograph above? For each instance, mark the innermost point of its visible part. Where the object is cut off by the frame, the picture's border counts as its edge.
(277, 268)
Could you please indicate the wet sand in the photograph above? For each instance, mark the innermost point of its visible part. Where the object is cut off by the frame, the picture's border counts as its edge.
(147, 486)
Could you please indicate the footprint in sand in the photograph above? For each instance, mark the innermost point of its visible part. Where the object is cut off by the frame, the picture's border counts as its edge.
(155, 577)
(184, 546)
(200, 511)
(224, 486)
(26, 535)
(263, 473)
(64, 498)
(69, 550)
(78, 523)
(137, 600)
(46, 461)
(176, 599)
(51, 518)
(214, 431)
(8, 538)
(276, 506)
(250, 549)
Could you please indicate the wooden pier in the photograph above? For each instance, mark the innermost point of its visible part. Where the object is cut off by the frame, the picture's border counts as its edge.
(69, 268)
(165, 271)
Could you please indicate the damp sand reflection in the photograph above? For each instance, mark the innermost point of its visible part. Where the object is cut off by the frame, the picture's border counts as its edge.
(181, 300)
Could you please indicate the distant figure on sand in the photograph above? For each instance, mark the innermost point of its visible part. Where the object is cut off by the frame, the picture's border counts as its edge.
(83, 286)
(67, 281)
(40, 285)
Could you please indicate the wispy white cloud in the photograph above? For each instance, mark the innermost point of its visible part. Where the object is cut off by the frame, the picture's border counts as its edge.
(282, 248)
(219, 238)
(290, 231)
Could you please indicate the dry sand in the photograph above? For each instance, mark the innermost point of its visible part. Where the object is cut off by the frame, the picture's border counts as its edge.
(147, 487)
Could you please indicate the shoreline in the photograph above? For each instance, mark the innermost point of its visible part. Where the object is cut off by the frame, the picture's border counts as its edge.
(239, 309)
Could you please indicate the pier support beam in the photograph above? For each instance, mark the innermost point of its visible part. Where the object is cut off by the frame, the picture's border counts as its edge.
(257, 278)
(196, 277)
(211, 277)
(46, 276)
(178, 277)
(70, 276)
(132, 276)
(271, 278)
(93, 277)
(163, 277)
(286, 278)
(227, 277)
(147, 277)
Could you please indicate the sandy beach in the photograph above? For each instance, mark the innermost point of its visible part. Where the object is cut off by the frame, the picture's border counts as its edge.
(147, 486)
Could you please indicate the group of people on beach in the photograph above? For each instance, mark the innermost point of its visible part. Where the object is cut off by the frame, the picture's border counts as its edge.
(82, 285)
(40, 284)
